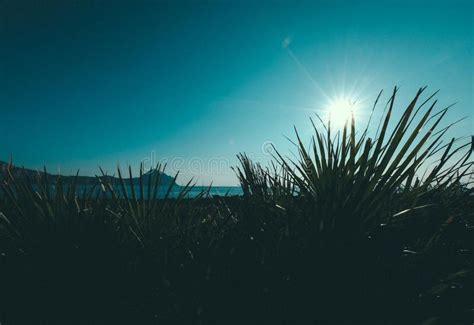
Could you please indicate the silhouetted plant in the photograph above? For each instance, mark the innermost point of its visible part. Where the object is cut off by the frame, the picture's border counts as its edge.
(357, 229)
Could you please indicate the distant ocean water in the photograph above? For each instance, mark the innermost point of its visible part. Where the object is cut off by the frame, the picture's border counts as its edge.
(195, 191)
(217, 190)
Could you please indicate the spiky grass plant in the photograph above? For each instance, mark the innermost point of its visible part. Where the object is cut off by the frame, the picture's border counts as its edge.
(56, 241)
(264, 183)
(147, 213)
(353, 231)
(102, 244)
(365, 205)
(354, 178)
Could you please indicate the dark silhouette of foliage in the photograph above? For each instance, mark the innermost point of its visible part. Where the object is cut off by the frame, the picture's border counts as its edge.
(357, 230)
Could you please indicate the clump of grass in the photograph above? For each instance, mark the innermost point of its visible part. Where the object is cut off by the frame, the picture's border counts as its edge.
(57, 242)
(356, 175)
(355, 192)
(357, 229)
(264, 183)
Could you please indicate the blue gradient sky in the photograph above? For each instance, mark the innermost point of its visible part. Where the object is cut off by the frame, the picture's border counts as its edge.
(88, 83)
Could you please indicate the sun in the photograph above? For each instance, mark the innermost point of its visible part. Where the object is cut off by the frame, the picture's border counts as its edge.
(340, 110)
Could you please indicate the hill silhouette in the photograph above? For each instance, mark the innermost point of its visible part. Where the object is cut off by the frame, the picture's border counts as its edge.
(166, 180)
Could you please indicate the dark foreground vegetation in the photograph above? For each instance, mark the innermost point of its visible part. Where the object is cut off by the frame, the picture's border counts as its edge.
(358, 229)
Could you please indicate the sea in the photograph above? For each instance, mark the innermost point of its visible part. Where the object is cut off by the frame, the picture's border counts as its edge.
(214, 190)
(175, 191)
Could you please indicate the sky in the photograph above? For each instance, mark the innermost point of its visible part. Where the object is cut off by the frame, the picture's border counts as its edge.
(100, 83)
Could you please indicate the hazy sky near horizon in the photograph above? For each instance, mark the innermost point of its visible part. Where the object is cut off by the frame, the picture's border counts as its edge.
(89, 83)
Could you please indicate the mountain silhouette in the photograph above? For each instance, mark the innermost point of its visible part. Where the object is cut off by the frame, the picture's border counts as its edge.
(19, 172)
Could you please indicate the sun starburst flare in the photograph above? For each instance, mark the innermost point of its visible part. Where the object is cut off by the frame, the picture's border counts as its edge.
(340, 110)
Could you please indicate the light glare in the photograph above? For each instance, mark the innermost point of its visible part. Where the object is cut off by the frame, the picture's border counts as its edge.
(341, 110)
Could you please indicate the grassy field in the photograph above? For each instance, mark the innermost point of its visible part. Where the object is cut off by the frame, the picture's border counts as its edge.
(370, 228)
